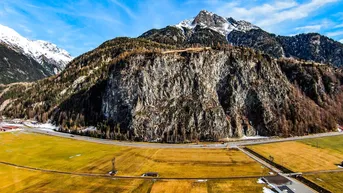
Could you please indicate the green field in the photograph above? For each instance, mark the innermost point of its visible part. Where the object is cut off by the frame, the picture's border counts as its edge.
(62, 154)
(334, 143)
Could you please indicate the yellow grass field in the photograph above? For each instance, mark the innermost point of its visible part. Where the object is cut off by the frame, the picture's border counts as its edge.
(330, 181)
(301, 157)
(22, 180)
(211, 186)
(55, 153)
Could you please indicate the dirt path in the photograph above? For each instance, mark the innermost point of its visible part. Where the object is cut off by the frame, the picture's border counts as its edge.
(187, 50)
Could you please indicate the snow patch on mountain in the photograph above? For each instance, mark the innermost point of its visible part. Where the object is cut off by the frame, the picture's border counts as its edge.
(186, 24)
(39, 50)
(206, 19)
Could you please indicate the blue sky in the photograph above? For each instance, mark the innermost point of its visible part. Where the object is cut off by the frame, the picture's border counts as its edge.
(79, 26)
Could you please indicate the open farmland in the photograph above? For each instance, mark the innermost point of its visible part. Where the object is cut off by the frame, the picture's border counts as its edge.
(309, 155)
(61, 154)
(210, 186)
(55, 153)
(300, 157)
(22, 180)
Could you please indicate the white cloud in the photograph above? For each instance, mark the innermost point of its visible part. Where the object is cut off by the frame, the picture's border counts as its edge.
(341, 40)
(298, 12)
(309, 28)
(126, 9)
(339, 26)
(25, 28)
(334, 34)
(270, 14)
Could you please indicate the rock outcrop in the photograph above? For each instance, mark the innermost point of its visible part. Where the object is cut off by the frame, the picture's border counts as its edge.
(206, 95)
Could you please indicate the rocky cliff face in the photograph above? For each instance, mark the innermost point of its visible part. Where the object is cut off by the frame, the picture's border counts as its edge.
(206, 95)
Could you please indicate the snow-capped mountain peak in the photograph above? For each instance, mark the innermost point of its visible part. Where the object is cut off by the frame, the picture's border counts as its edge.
(47, 54)
(217, 23)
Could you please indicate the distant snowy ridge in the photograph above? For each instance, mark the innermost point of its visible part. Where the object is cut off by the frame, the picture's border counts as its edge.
(41, 51)
(217, 23)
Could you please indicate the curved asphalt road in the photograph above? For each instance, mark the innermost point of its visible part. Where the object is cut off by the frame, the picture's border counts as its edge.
(182, 146)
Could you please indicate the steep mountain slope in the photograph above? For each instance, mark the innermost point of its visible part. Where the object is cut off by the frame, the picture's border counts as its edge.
(259, 40)
(47, 55)
(16, 67)
(313, 46)
(141, 90)
(222, 30)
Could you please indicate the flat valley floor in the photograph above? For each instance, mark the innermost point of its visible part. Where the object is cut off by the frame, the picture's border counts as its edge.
(55, 164)
(32, 162)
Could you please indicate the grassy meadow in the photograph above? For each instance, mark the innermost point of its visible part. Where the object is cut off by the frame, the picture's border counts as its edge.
(22, 180)
(55, 153)
(61, 154)
(334, 143)
(305, 156)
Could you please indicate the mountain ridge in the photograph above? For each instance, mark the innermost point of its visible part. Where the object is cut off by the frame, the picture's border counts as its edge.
(242, 33)
(51, 58)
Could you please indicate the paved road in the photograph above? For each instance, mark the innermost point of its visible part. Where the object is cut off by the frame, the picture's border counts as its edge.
(183, 146)
(295, 186)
